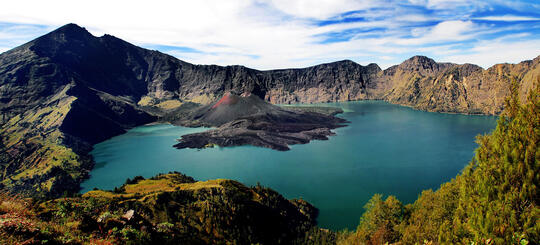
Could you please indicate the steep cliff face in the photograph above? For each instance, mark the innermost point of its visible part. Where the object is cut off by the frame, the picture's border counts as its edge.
(338, 81)
(422, 83)
(419, 82)
(426, 85)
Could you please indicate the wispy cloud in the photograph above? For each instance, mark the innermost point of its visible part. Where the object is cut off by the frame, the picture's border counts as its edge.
(285, 33)
(508, 18)
(12, 35)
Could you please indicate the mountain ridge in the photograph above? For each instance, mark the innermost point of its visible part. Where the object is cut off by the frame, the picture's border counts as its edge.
(67, 90)
(180, 80)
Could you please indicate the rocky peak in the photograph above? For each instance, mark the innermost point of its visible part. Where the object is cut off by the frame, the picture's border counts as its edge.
(343, 63)
(68, 33)
(347, 61)
(68, 39)
(469, 69)
(420, 59)
(374, 68)
(72, 30)
(536, 60)
(420, 64)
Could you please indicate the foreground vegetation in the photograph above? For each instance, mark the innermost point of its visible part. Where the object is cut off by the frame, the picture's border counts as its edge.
(169, 209)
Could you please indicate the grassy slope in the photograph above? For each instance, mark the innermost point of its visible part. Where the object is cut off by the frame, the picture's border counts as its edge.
(35, 159)
(171, 208)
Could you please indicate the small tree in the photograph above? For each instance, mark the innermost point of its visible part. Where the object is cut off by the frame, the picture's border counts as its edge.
(499, 199)
(379, 223)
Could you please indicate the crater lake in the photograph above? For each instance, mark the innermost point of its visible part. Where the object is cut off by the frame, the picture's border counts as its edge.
(386, 149)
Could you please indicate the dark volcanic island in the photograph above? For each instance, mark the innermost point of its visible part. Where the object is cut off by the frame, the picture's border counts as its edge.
(248, 120)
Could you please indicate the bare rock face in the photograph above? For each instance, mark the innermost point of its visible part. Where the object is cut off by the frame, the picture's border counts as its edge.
(338, 81)
(456, 88)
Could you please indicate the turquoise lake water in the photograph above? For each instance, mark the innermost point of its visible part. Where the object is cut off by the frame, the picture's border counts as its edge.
(387, 149)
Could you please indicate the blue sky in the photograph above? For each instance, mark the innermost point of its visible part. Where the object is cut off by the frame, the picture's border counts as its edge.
(287, 33)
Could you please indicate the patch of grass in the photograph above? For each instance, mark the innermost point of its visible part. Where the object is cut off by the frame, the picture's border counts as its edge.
(105, 194)
(146, 101)
(166, 184)
(19, 223)
(203, 99)
(48, 156)
(169, 104)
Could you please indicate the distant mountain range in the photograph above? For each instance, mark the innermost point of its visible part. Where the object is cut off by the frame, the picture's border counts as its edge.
(68, 89)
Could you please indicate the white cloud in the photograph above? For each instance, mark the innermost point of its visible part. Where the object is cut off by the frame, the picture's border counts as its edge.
(260, 34)
(387, 57)
(322, 8)
(418, 2)
(508, 18)
(452, 30)
(442, 4)
(456, 30)
(414, 18)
